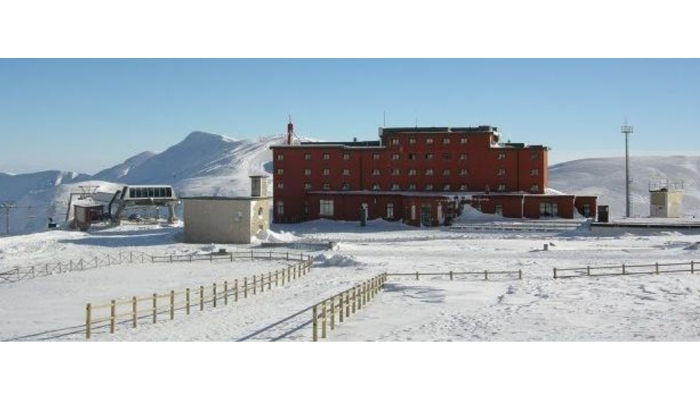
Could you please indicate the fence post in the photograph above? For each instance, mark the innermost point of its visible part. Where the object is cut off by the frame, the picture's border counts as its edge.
(314, 322)
(623, 269)
(270, 254)
(225, 293)
(187, 300)
(323, 320)
(112, 316)
(486, 275)
(255, 284)
(287, 256)
(692, 267)
(294, 272)
(262, 283)
(340, 308)
(347, 303)
(354, 299)
(251, 255)
(359, 295)
(657, 268)
(134, 312)
(333, 313)
(451, 276)
(213, 289)
(172, 304)
(520, 274)
(131, 257)
(201, 298)
(88, 321)
(190, 257)
(245, 287)
(171, 259)
(231, 256)
(277, 278)
(588, 270)
(269, 281)
(555, 273)
(96, 263)
(416, 275)
(155, 307)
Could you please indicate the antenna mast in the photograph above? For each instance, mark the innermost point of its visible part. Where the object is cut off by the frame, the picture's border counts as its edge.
(627, 129)
(290, 131)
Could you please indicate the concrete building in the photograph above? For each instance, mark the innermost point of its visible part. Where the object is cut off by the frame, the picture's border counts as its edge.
(417, 175)
(665, 203)
(231, 220)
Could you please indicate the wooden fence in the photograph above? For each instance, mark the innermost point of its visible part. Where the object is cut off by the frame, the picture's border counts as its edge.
(619, 270)
(131, 310)
(58, 267)
(344, 304)
(452, 274)
(39, 270)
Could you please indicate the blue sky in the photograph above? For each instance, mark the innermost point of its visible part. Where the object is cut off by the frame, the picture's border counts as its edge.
(88, 114)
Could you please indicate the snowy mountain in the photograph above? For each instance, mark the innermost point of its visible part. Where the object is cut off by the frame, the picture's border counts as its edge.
(210, 164)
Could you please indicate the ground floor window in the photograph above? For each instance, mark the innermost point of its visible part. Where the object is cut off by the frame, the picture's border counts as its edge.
(498, 209)
(326, 208)
(390, 210)
(548, 210)
(280, 208)
(586, 210)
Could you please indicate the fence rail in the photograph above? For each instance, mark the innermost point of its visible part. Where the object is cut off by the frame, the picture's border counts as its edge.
(344, 304)
(183, 301)
(619, 270)
(452, 274)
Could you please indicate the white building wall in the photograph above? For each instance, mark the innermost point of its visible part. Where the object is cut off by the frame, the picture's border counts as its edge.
(221, 220)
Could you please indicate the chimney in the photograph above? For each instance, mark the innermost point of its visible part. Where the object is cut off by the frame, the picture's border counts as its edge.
(258, 186)
(290, 132)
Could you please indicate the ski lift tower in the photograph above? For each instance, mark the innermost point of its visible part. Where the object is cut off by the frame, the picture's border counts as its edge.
(627, 129)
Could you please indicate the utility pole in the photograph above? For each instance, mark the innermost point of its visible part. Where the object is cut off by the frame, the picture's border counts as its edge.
(7, 206)
(627, 129)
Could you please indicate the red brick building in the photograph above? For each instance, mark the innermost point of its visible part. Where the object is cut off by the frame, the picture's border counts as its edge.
(418, 175)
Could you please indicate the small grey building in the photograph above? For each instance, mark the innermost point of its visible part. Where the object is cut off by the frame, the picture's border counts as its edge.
(231, 220)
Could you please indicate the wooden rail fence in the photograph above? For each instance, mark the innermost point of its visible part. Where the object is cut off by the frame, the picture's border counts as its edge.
(56, 267)
(133, 309)
(452, 274)
(619, 270)
(344, 304)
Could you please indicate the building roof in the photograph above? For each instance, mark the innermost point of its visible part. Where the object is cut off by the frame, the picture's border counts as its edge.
(221, 198)
(418, 129)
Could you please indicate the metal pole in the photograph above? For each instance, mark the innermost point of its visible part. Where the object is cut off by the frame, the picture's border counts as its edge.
(627, 129)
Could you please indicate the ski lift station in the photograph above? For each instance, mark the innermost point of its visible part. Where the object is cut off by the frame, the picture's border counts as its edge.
(228, 220)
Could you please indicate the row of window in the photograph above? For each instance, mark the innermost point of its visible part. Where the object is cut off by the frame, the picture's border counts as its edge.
(411, 156)
(411, 187)
(430, 141)
(150, 192)
(411, 172)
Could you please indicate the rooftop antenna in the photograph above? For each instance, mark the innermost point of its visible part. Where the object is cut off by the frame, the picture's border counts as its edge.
(627, 129)
(416, 122)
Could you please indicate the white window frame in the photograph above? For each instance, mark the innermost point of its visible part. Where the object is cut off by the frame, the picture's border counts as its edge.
(325, 208)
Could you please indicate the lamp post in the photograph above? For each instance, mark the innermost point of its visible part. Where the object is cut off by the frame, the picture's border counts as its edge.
(627, 129)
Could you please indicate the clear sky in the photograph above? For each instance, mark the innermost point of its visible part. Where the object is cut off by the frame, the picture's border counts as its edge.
(88, 114)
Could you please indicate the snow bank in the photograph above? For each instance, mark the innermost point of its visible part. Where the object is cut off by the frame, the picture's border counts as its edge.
(336, 260)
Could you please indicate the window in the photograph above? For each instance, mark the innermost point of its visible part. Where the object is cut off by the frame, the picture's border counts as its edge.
(587, 210)
(326, 186)
(395, 186)
(326, 156)
(498, 209)
(428, 172)
(280, 208)
(390, 210)
(326, 171)
(411, 171)
(428, 187)
(375, 156)
(346, 186)
(412, 141)
(501, 156)
(412, 187)
(280, 185)
(307, 156)
(280, 157)
(375, 186)
(394, 156)
(238, 217)
(280, 171)
(325, 208)
(446, 141)
(429, 156)
(260, 212)
(534, 172)
(463, 140)
(307, 186)
(395, 141)
(534, 156)
(463, 188)
(429, 141)
(534, 188)
(411, 156)
(413, 211)
(501, 172)
(307, 171)
(446, 187)
(501, 187)
(346, 156)
(375, 171)
(549, 210)
(395, 171)
(462, 157)
(445, 156)
(462, 172)
(446, 172)
(346, 171)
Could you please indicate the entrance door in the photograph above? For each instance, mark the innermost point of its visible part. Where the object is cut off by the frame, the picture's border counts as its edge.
(426, 218)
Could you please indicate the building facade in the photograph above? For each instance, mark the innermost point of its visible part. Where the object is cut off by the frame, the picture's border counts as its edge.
(421, 176)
